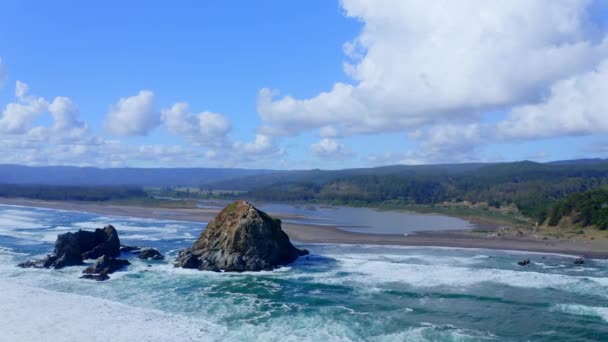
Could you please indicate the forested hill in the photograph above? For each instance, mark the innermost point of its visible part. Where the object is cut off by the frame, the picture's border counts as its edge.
(532, 187)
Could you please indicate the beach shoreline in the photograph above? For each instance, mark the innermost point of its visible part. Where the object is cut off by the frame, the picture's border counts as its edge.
(309, 233)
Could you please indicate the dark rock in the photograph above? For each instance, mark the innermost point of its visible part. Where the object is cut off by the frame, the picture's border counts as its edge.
(101, 242)
(240, 238)
(127, 248)
(150, 253)
(98, 277)
(45, 262)
(524, 262)
(579, 261)
(186, 259)
(72, 248)
(106, 265)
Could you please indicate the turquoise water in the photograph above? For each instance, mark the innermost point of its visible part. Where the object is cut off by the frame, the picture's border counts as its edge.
(339, 293)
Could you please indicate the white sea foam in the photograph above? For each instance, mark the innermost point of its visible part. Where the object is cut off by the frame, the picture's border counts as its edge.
(373, 271)
(42, 315)
(432, 332)
(583, 310)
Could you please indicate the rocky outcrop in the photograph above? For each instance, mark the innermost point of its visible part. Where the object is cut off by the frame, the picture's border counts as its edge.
(72, 248)
(240, 238)
(106, 265)
(149, 253)
(524, 262)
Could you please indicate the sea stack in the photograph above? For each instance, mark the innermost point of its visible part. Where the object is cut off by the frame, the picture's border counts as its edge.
(240, 238)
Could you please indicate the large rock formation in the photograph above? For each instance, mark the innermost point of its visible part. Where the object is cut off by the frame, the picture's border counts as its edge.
(240, 238)
(72, 248)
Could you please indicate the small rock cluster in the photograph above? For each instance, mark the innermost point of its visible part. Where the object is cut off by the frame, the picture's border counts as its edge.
(525, 262)
(102, 244)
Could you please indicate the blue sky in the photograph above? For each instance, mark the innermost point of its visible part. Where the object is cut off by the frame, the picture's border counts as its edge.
(349, 84)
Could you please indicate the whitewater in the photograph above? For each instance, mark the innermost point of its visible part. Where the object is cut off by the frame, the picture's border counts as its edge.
(338, 293)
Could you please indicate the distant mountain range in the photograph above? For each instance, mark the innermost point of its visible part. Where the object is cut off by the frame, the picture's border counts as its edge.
(237, 179)
(90, 176)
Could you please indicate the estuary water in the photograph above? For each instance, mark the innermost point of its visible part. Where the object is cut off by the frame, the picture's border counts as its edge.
(338, 293)
(358, 220)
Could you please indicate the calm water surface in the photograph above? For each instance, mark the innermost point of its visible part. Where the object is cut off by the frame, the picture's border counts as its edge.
(360, 220)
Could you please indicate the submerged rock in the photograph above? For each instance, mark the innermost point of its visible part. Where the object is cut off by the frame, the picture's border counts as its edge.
(127, 248)
(98, 277)
(106, 265)
(72, 248)
(240, 238)
(149, 253)
(524, 262)
(579, 261)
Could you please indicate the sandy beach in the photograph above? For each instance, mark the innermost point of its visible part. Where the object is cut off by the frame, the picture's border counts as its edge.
(330, 234)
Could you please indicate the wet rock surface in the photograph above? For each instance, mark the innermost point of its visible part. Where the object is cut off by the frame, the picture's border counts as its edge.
(240, 238)
(72, 249)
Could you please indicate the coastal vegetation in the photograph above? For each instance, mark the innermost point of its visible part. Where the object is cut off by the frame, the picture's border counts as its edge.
(589, 208)
(518, 193)
(530, 189)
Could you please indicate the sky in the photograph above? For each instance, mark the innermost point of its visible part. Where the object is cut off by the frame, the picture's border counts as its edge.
(302, 84)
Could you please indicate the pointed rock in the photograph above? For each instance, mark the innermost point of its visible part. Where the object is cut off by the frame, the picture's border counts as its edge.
(240, 238)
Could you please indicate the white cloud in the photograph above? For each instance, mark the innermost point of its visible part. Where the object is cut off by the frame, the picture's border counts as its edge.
(178, 120)
(66, 115)
(261, 145)
(442, 143)
(213, 127)
(205, 128)
(135, 115)
(328, 148)
(417, 63)
(575, 106)
(68, 140)
(329, 132)
(21, 89)
(17, 117)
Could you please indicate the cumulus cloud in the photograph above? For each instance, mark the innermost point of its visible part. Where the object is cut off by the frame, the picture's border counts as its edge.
(66, 115)
(17, 117)
(450, 139)
(67, 139)
(417, 64)
(206, 128)
(213, 127)
(328, 148)
(575, 106)
(329, 132)
(261, 145)
(134, 115)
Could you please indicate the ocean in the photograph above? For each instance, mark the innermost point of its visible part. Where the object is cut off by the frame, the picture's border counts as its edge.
(338, 293)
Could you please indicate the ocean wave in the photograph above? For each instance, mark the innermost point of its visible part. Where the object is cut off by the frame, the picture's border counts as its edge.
(361, 269)
(433, 332)
(77, 317)
(583, 310)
